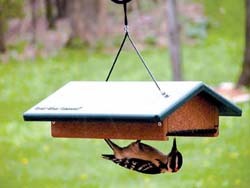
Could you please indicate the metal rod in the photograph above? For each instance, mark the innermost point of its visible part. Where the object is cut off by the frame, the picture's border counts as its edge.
(117, 55)
(145, 65)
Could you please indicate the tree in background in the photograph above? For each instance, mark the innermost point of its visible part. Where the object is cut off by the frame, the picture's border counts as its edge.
(55, 9)
(174, 39)
(2, 24)
(244, 79)
(49, 14)
(8, 9)
(33, 7)
(61, 6)
(87, 19)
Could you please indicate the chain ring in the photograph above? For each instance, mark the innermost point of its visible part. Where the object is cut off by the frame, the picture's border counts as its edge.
(121, 1)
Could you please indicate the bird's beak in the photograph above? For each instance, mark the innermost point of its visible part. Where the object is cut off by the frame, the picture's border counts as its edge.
(174, 147)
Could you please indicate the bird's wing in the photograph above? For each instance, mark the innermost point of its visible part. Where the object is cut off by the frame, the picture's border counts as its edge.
(139, 165)
(143, 166)
(148, 148)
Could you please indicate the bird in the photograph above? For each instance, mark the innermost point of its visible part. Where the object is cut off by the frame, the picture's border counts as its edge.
(144, 158)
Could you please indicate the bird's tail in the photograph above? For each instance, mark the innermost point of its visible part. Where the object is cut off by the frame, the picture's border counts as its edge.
(112, 145)
(108, 157)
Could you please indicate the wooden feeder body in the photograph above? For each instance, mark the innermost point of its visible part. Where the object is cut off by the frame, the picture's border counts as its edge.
(133, 110)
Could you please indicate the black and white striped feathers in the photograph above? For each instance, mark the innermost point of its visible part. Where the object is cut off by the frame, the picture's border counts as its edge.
(144, 158)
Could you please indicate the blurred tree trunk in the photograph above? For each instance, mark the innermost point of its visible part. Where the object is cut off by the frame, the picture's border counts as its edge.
(61, 8)
(174, 39)
(2, 40)
(55, 9)
(244, 79)
(8, 9)
(87, 19)
(102, 13)
(49, 14)
(33, 5)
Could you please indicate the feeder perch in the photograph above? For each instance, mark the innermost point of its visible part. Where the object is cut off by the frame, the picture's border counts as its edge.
(133, 110)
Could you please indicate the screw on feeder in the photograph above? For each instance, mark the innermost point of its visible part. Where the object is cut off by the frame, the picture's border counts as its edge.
(164, 94)
(159, 124)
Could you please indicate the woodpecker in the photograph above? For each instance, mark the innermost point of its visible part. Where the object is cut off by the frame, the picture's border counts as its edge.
(143, 158)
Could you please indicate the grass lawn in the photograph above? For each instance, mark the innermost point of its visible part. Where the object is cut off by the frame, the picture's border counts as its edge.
(30, 157)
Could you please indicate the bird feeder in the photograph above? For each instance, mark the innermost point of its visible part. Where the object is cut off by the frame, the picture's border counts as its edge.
(133, 110)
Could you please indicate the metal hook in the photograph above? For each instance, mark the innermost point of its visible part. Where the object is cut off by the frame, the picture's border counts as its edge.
(121, 1)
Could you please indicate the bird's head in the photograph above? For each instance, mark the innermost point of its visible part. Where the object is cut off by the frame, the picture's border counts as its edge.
(174, 159)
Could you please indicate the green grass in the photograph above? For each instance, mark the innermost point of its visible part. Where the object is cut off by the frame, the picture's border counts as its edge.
(225, 17)
(30, 157)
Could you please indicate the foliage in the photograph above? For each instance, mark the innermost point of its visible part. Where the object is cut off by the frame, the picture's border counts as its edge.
(226, 18)
(150, 40)
(10, 9)
(197, 29)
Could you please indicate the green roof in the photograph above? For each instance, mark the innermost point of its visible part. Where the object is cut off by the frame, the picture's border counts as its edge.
(123, 100)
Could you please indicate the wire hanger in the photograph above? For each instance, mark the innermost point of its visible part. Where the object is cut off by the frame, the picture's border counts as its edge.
(126, 35)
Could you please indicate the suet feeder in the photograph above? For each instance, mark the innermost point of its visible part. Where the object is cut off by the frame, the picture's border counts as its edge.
(133, 110)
